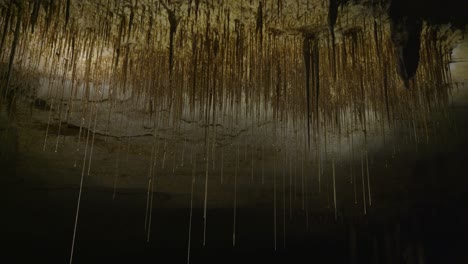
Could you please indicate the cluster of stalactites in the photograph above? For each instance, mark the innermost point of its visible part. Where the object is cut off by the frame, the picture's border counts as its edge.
(218, 64)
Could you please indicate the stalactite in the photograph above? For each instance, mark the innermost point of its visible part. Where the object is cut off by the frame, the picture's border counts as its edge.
(79, 193)
(284, 207)
(92, 140)
(6, 25)
(368, 180)
(332, 17)
(334, 188)
(67, 13)
(263, 164)
(35, 14)
(406, 38)
(150, 174)
(205, 203)
(363, 185)
(236, 168)
(48, 126)
(302, 184)
(16, 39)
(222, 165)
(190, 217)
(259, 27)
(173, 22)
(274, 205)
(307, 58)
(151, 187)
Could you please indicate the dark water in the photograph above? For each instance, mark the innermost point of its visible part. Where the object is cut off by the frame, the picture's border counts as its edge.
(37, 225)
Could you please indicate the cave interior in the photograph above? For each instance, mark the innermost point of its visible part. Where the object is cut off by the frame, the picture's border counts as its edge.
(234, 131)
